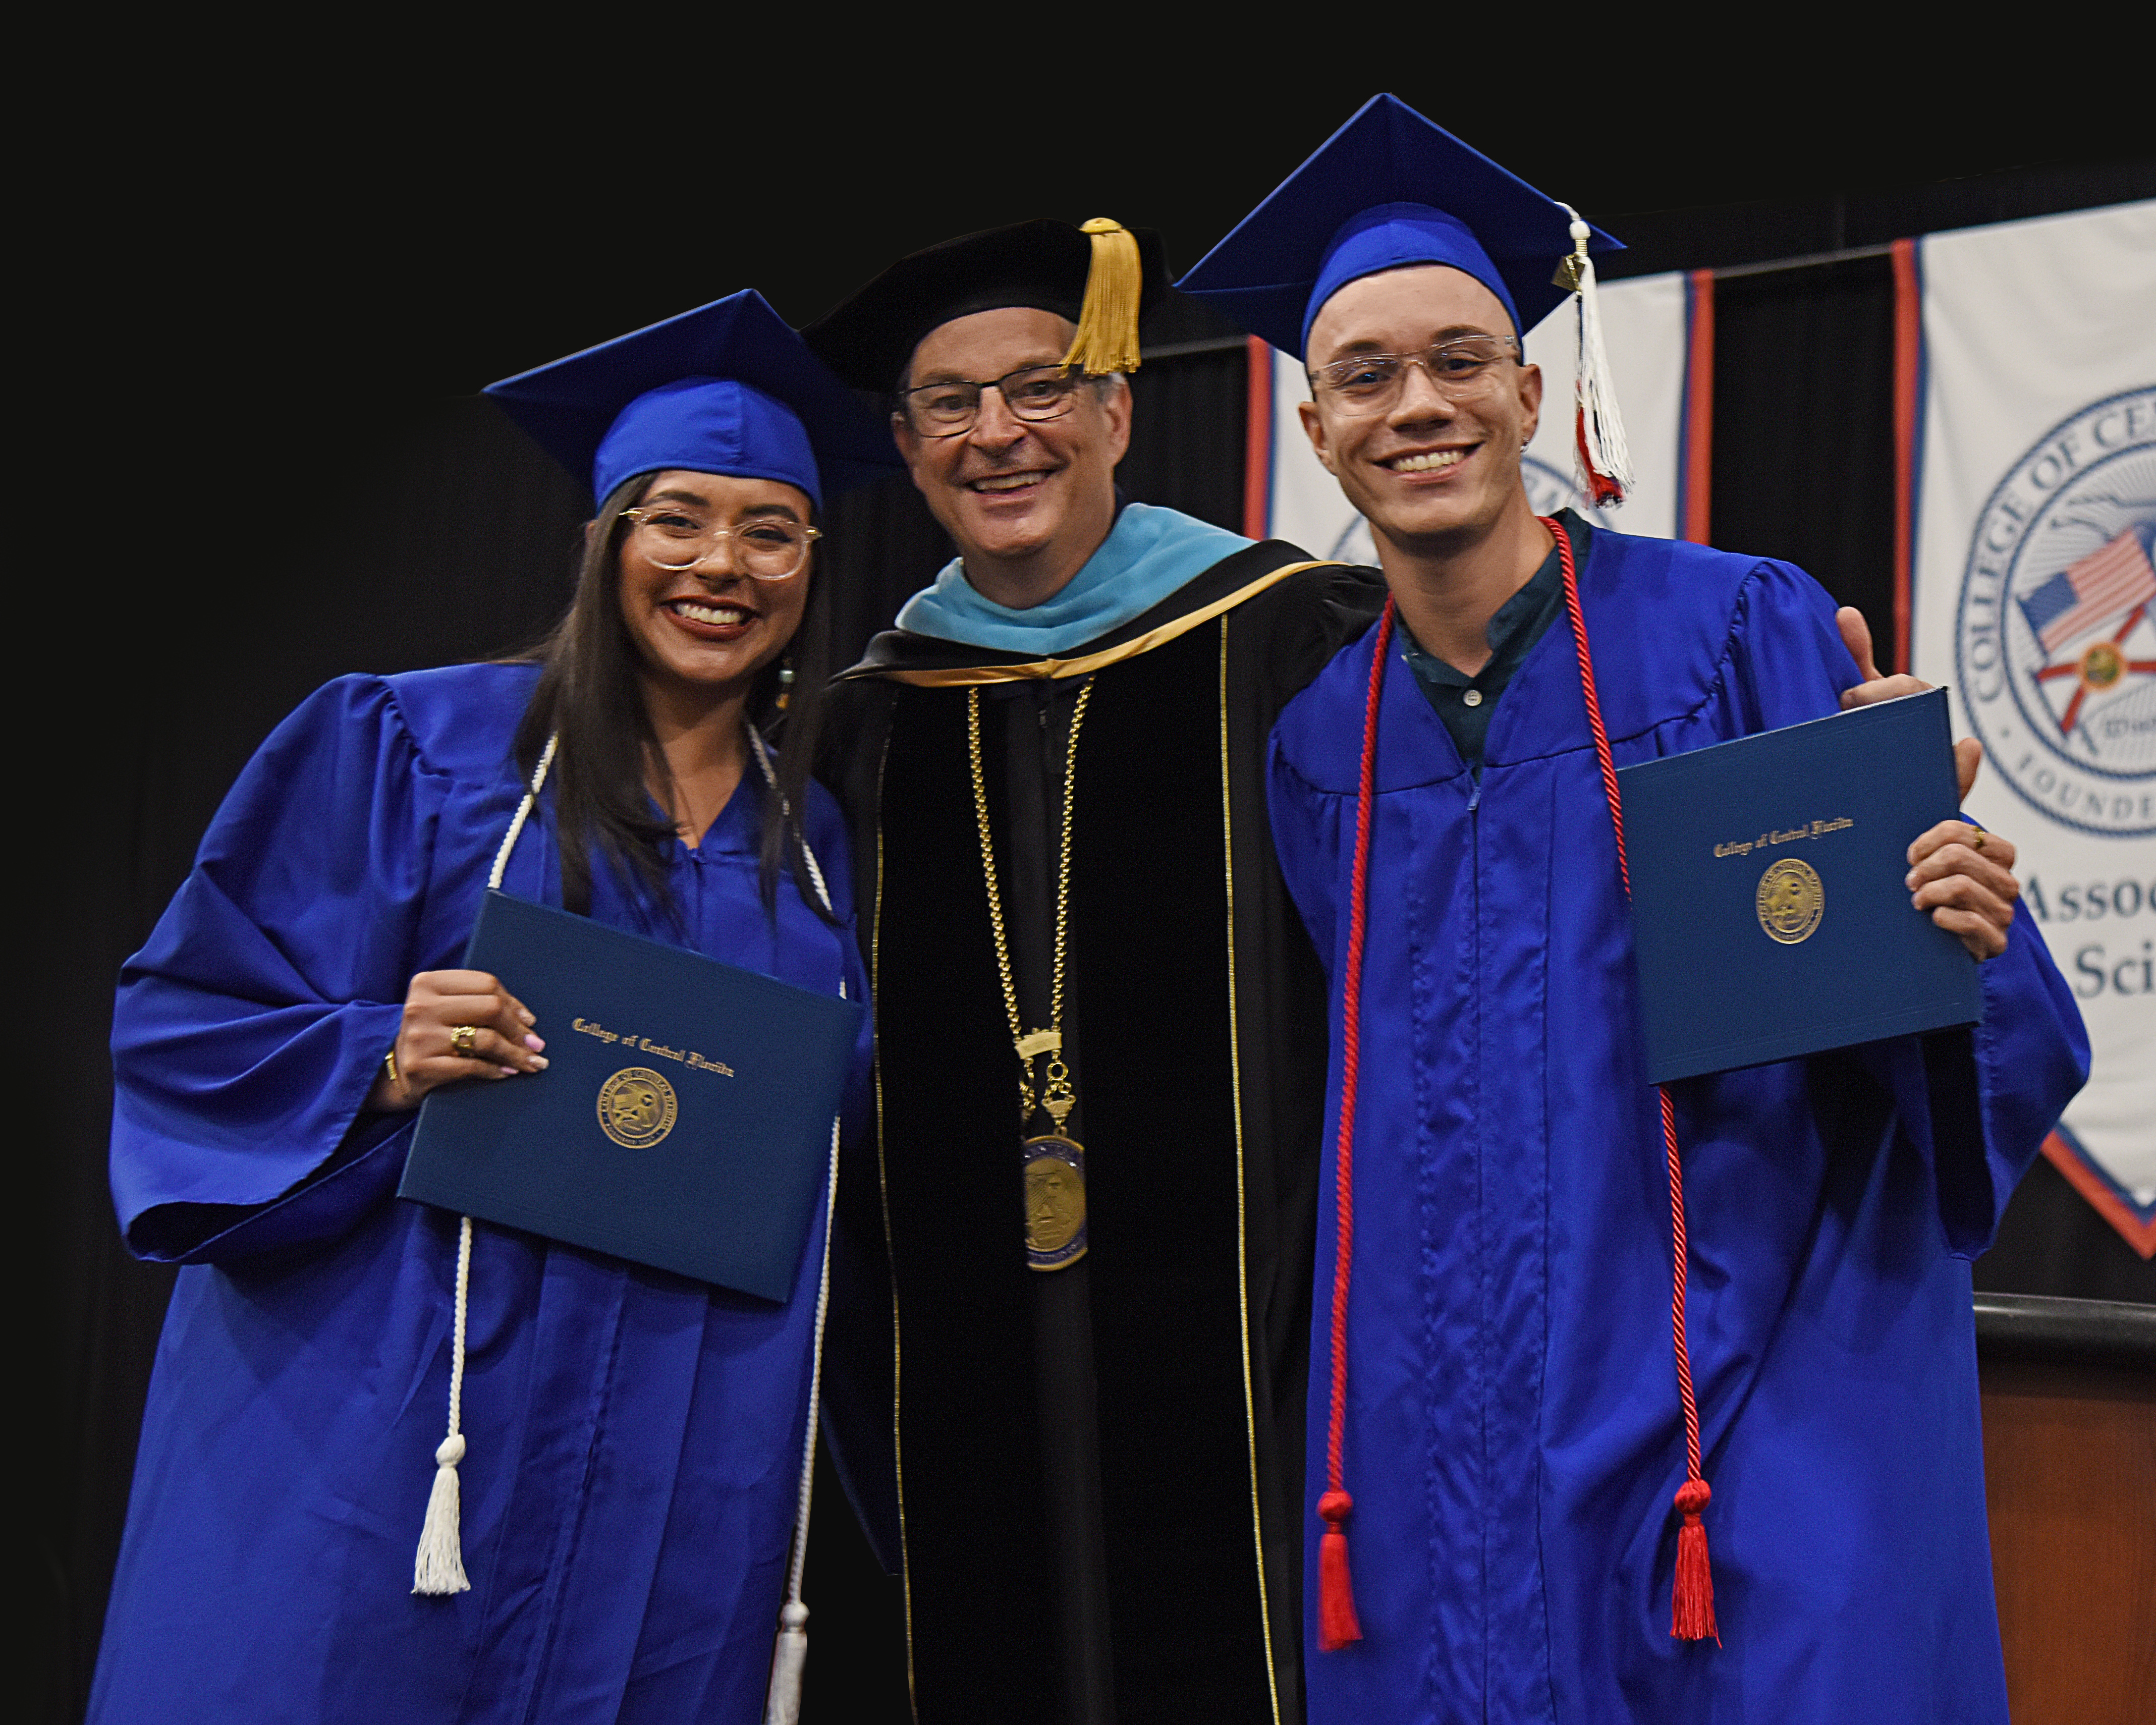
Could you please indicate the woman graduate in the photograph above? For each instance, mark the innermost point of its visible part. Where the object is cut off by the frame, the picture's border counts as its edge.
(631, 1440)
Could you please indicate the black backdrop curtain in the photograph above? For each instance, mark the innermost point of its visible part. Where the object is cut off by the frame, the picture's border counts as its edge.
(416, 536)
(1804, 428)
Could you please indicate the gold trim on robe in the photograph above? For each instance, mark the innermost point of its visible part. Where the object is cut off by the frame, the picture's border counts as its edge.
(1084, 664)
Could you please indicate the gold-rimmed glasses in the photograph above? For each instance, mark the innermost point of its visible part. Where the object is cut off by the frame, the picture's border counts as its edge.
(675, 536)
(1370, 382)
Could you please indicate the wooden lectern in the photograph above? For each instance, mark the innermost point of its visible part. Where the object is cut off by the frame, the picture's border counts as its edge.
(2069, 1476)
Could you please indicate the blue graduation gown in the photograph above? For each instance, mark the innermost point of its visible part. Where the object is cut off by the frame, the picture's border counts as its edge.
(634, 1437)
(1513, 1438)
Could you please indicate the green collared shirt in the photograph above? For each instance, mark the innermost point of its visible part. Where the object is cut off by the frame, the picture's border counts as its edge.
(1465, 703)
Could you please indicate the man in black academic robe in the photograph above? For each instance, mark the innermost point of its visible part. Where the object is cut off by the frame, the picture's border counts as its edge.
(1093, 1488)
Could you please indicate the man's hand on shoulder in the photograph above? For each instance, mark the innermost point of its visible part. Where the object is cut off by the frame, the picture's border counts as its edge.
(1964, 877)
(1856, 636)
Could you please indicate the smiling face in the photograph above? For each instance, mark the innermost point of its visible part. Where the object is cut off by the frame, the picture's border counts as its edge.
(710, 629)
(1432, 473)
(1012, 492)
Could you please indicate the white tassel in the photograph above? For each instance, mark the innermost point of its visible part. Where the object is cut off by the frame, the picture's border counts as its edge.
(1601, 457)
(439, 1566)
(781, 1702)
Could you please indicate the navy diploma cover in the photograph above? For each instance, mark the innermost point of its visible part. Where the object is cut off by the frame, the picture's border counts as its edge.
(683, 1120)
(1768, 911)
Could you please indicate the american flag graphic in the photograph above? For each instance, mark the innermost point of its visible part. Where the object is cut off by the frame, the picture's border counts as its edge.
(2091, 591)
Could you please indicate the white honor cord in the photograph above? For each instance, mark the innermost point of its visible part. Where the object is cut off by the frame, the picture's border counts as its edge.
(762, 752)
(439, 1565)
(523, 814)
(789, 1653)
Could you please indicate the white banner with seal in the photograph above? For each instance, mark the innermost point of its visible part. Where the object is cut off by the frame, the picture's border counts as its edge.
(2033, 598)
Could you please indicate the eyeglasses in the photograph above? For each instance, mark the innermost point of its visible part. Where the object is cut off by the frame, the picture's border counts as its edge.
(1371, 382)
(766, 547)
(951, 405)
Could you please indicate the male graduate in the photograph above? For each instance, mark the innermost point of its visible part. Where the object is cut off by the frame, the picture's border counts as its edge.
(1548, 1521)
(1101, 1026)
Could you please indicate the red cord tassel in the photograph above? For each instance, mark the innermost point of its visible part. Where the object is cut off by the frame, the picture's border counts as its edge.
(1605, 489)
(1336, 1594)
(1691, 1599)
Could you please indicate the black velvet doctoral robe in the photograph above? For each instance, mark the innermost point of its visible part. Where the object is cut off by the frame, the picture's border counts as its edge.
(1196, 1007)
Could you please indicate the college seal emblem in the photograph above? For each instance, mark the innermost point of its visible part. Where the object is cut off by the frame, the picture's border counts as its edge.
(1790, 901)
(2054, 642)
(637, 1107)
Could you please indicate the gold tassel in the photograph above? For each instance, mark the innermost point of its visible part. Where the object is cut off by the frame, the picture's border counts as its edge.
(1108, 322)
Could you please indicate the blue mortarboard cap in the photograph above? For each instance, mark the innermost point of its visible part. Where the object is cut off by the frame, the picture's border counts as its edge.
(726, 388)
(1388, 189)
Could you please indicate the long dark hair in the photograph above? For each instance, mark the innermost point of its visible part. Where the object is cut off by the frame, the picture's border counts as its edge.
(589, 695)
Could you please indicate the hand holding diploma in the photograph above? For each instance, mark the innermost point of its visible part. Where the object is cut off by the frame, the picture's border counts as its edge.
(1856, 636)
(458, 1023)
(1962, 875)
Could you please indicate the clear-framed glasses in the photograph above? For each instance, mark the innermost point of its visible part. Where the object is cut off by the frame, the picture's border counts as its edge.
(950, 405)
(673, 536)
(1370, 382)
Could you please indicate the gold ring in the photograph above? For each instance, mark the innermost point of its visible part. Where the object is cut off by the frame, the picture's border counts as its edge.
(461, 1040)
(1976, 843)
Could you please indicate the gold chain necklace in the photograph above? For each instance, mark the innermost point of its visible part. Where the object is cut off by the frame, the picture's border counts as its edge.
(1054, 1165)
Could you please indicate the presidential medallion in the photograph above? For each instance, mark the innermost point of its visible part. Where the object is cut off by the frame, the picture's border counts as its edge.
(1055, 1202)
(637, 1107)
(1790, 901)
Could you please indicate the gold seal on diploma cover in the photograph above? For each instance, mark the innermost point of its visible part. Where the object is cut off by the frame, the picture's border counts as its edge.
(1055, 1202)
(1791, 900)
(637, 1107)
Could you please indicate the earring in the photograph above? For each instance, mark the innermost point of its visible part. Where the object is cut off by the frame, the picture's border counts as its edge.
(785, 683)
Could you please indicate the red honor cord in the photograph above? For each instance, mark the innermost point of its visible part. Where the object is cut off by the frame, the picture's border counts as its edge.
(1692, 1601)
(1337, 1624)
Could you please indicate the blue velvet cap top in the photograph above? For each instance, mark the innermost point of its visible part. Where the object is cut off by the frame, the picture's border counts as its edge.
(1387, 190)
(1393, 236)
(726, 388)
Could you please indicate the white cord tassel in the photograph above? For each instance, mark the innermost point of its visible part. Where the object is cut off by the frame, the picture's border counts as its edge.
(781, 1702)
(1602, 457)
(438, 1568)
